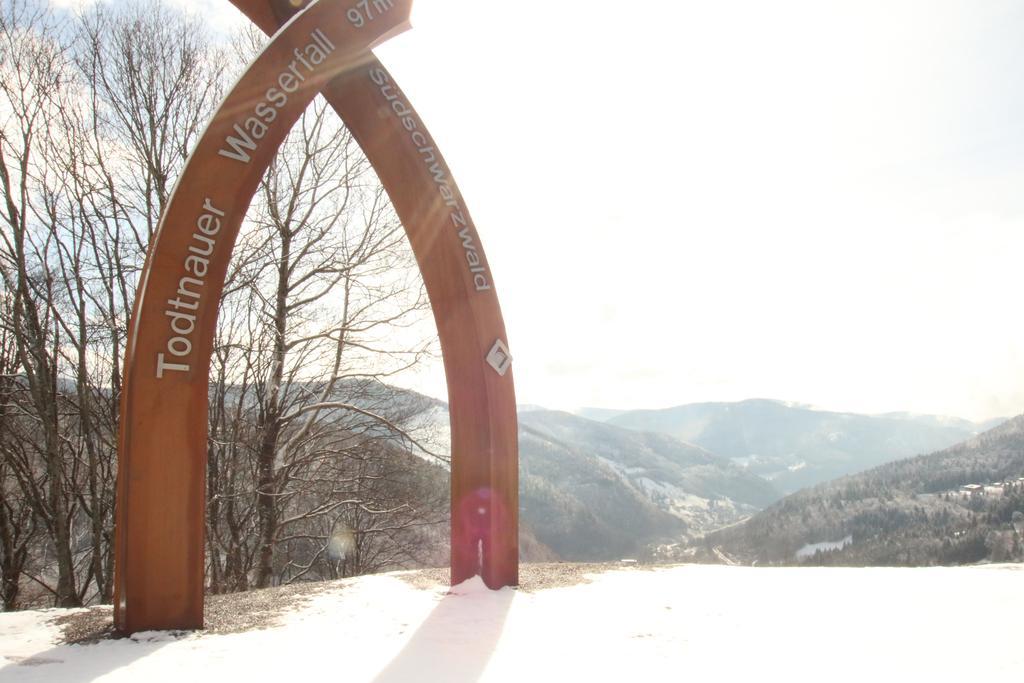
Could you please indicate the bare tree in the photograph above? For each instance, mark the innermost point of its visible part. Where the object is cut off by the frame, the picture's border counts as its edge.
(156, 78)
(152, 77)
(326, 278)
(99, 116)
(99, 112)
(18, 527)
(34, 88)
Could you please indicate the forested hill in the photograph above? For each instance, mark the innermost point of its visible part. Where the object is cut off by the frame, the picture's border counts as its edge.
(592, 491)
(910, 512)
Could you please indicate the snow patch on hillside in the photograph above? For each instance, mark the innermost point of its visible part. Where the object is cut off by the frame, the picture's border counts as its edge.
(809, 549)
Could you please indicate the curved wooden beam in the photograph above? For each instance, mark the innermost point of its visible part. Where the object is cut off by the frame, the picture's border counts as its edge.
(162, 445)
(459, 282)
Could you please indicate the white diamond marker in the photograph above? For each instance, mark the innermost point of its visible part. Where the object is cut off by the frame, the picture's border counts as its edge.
(499, 358)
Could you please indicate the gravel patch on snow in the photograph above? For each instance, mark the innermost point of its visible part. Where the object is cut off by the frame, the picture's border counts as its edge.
(229, 613)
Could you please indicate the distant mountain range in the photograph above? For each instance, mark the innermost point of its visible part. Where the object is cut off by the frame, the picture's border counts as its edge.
(795, 446)
(655, 482)
(959, 505)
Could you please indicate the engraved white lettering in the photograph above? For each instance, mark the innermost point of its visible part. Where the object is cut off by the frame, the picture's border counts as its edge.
(433, 165)
(182, 311)
(246, 134)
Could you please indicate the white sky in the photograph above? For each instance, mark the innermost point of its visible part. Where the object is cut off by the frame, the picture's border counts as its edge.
(686, 201)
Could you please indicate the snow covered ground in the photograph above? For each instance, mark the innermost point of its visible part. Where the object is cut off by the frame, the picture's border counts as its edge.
(696, 623)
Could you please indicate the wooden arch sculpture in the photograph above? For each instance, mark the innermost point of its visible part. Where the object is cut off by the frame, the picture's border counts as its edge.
(324, 48)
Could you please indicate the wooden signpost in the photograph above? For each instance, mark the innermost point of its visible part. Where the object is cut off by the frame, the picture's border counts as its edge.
(325, 48)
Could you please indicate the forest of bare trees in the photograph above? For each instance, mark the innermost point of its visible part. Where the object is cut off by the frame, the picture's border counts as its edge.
(311, 472)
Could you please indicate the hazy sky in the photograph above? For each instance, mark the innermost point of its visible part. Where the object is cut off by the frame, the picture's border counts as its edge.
(682, 201)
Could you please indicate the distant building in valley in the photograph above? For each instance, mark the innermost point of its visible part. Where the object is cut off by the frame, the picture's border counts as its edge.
(972, 490)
